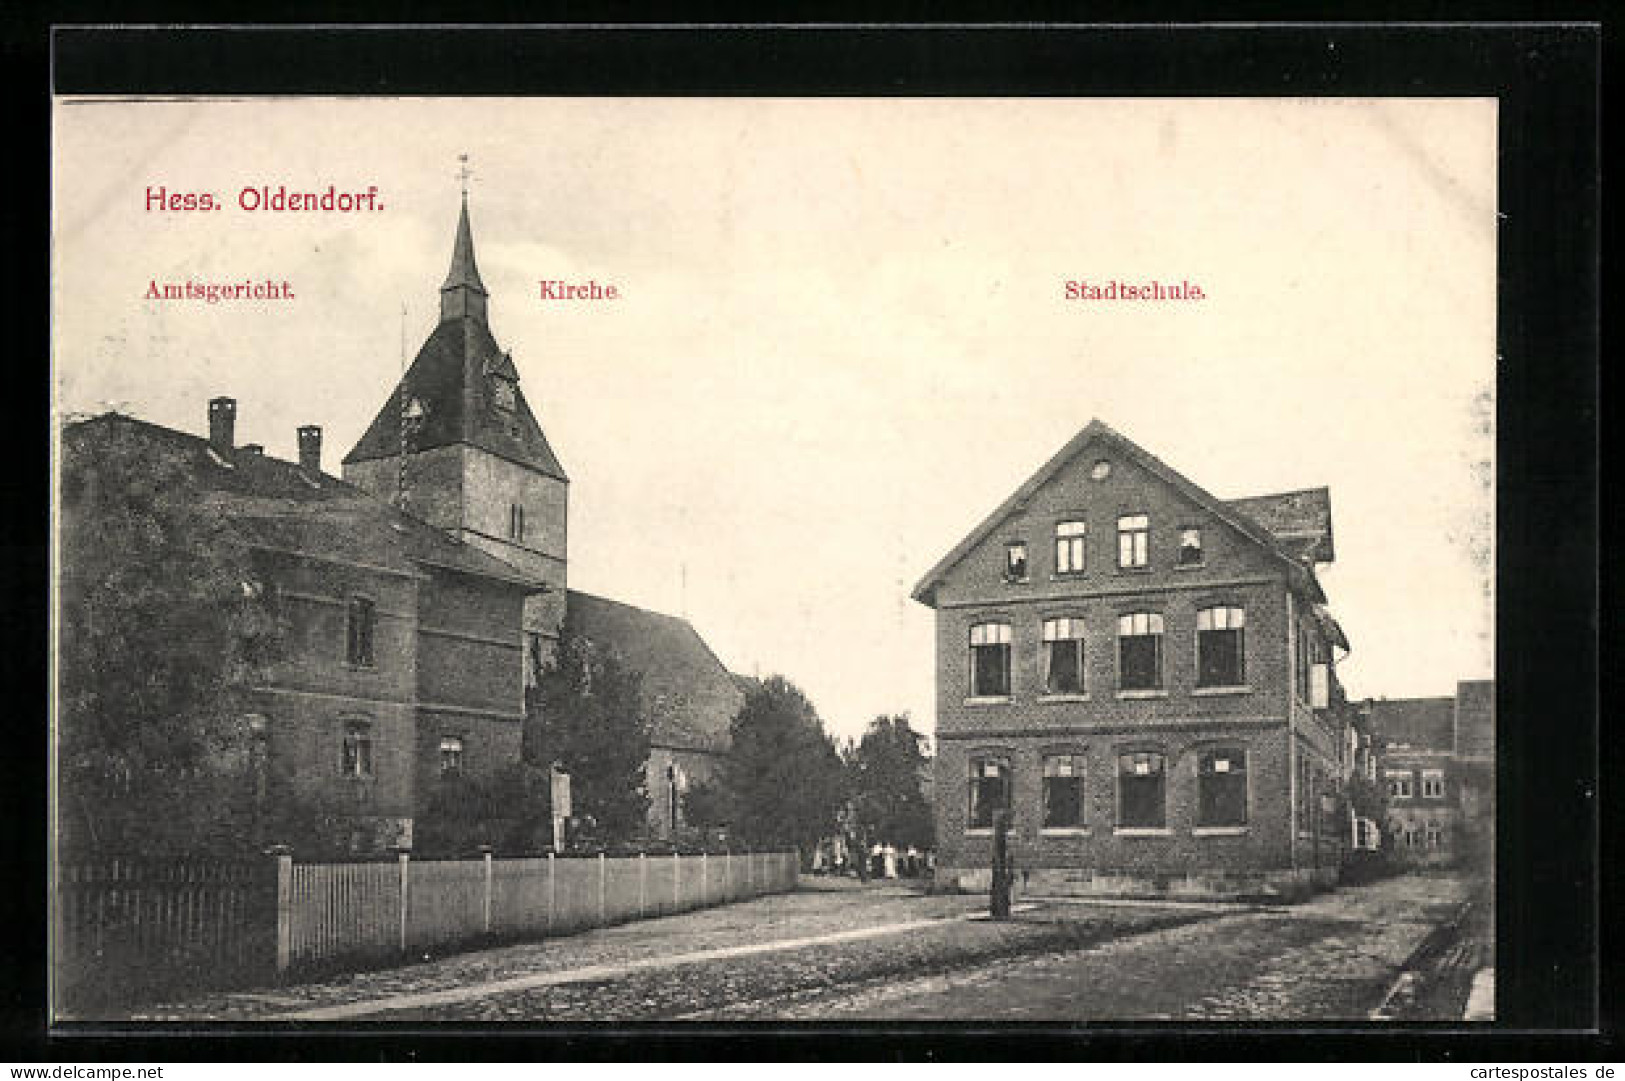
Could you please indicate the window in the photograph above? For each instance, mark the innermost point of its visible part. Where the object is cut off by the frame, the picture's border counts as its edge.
(1221, 787)
(1220, 648)
(989, 790)
(1063, 656)
(1366, 835)
(1069, 546)
(990, 660)
(1399, 783)
(357, 759)
(1433, 784)
(1139, 651)
(533, 657)
(1411, 836)
(359, 628)
(1133, 540)
(1141, 791)
(1063, 791)
(451, 755)
(516, 522)
(1190, 547)
(1435, 835)
(1015, 561)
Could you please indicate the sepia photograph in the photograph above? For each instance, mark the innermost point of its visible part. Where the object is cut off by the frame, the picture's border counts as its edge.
(743, 561)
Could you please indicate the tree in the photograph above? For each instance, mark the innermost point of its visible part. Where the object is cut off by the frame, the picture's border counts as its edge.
(165, 626)
(706, 804)
(509, 810)
(585, 713)
(884, 771)
(783, 774)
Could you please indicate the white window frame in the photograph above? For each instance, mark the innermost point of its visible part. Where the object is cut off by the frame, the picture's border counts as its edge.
(1133, 541)
(1137, 625)
(1064, 629)
(1071, 546)
(991, 633)
(1222, 617)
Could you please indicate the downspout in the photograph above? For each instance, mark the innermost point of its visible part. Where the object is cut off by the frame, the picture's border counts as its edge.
(1292, 728)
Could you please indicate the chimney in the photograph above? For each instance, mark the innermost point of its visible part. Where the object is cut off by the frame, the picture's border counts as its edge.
(310, 448)
(222, 422)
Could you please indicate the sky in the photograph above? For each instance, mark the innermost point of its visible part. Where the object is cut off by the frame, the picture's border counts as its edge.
(843, 336)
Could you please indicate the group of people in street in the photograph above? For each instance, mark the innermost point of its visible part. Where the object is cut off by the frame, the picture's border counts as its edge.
(847, 856)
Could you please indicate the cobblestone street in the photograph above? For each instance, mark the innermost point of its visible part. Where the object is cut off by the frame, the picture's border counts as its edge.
(830, 952)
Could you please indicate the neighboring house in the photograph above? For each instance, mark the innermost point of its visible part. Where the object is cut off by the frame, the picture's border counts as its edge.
(1436, 759)
(1142, 675)
(420, 588)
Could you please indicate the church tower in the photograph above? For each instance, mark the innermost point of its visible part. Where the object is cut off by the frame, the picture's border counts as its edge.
(457, 446)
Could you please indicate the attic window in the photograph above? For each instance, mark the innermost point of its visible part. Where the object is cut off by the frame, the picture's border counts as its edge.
(1101, 470)
(1190, 547)
(1015, 561)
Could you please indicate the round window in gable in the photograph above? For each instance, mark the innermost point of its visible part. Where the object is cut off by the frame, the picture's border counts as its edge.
(1101, 470)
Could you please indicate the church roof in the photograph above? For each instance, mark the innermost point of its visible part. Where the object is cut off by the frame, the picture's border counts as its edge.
(1097, 431)
(690, 697)
(463, 270)
(454, 378)
(280, 505)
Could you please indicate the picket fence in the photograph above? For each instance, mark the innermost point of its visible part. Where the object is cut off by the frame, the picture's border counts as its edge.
(330, 913)
(128, 931)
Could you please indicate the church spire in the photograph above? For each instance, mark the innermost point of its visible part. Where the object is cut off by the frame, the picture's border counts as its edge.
(463, 295)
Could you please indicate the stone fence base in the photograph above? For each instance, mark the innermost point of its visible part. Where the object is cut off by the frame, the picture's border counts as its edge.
(1279, 886)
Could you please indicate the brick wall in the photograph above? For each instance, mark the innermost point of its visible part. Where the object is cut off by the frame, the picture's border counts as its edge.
(1262, 844)
(698, 767)
(491, 487)
(315, 692)
(434, 483)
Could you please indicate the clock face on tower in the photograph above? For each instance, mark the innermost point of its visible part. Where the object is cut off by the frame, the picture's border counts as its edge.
(503, 392)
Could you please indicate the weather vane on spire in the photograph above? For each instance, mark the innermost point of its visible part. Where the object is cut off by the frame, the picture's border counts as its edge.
(464, 172)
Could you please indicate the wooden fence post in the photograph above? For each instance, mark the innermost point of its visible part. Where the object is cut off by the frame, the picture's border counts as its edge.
(727, 873)
(705, 883)
(552, 890)
(676, 881)
(485, 854)
(405, 858)
(284, 907)
(643, 882)
(603, 866)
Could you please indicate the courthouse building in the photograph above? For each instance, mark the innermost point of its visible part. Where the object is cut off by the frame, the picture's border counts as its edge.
(1143, 676)
(420, 588)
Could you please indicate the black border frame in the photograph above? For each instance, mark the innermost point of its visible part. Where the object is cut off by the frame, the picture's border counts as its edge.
(1548, 79)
